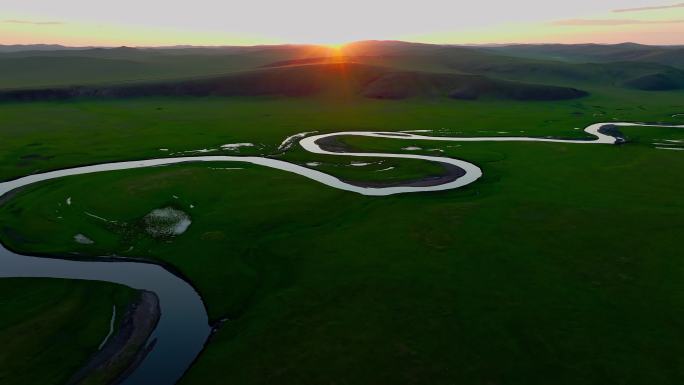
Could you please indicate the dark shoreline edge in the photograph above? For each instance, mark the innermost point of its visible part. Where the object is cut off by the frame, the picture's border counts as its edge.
(213, 324)
(139, 321)
(614, 131)
(451, 172)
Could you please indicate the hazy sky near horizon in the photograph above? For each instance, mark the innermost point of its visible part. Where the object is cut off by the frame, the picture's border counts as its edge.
(207, 22)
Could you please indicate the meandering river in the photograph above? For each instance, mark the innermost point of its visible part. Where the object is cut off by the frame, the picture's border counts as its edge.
(183, 328)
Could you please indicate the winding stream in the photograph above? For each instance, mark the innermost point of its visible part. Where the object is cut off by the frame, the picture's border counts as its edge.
(183, 328)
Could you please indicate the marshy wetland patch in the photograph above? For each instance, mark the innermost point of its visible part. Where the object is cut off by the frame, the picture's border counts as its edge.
(83, 240)
(166, 222)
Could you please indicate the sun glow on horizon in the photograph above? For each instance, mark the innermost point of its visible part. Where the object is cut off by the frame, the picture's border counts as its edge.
(336, 50)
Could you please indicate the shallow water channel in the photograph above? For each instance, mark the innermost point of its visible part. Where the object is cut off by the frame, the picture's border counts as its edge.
(183, 328)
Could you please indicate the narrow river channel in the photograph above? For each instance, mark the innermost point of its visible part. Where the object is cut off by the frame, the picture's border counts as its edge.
(183, 328)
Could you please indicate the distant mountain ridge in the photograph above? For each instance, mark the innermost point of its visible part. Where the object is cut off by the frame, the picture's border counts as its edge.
(667, 55)
(37, 47)
(625, 66)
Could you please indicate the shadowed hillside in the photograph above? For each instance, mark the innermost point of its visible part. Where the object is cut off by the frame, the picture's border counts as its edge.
(660, 81)
(332, 80)
(108, 66)
(42, 68)
(495, 64)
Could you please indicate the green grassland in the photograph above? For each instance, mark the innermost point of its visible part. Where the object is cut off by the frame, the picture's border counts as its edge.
(50, 327)
(43, 136)
(561, 265)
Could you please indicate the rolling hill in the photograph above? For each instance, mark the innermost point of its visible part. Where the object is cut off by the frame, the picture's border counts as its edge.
(505, 63)
(39, 68)
(601, 53)
(332, 80)
(105, 67)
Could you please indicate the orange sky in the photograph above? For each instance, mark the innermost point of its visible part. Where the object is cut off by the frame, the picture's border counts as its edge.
(209, 22)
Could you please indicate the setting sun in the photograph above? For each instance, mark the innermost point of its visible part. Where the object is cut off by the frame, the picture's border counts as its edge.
(336, 50)
(336, 46)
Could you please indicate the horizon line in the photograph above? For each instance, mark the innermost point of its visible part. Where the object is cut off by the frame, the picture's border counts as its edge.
(181, 46)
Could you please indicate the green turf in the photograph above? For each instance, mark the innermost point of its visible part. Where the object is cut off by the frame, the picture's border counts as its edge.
(50, 327)
(41, 136)
(561, 265)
